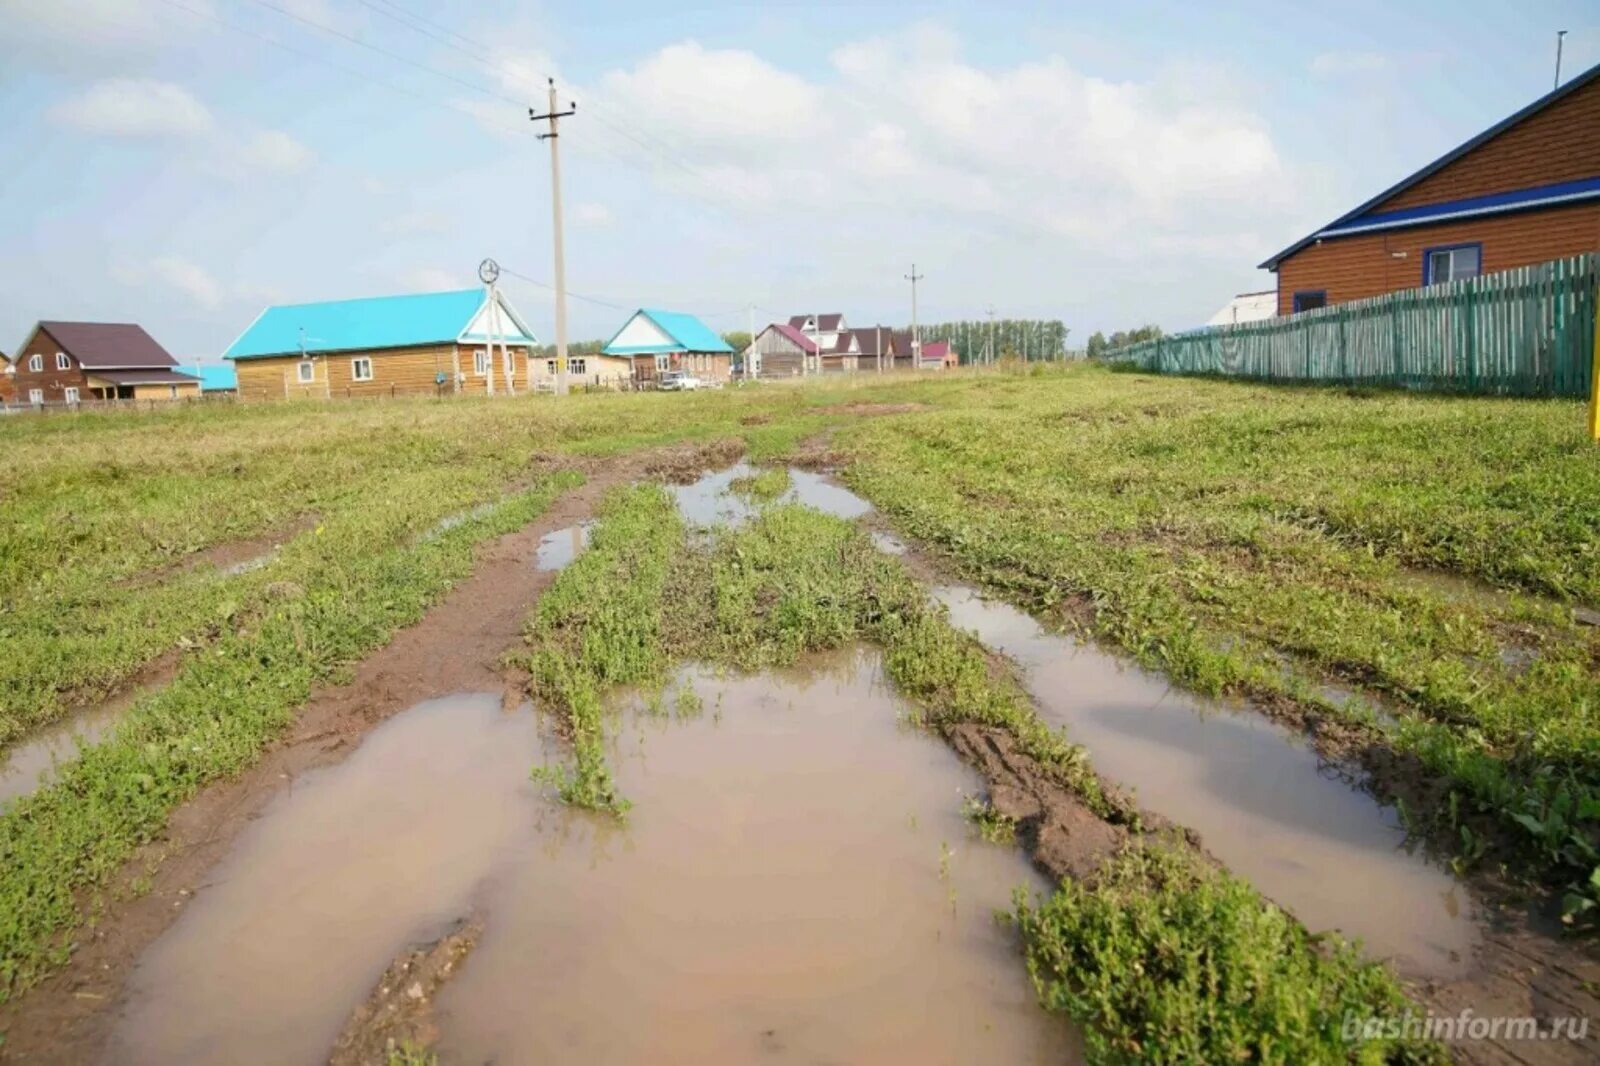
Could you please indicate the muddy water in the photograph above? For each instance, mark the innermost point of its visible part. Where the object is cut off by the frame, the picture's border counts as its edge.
(794, 880)
(711, 500)
(333, 881)
(1256, 793)
(27, 765)
(557, 549)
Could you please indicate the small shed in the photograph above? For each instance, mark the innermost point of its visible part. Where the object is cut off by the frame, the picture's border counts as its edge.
(660, 341)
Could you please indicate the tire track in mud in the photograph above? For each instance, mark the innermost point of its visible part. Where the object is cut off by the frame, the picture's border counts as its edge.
(456, 647)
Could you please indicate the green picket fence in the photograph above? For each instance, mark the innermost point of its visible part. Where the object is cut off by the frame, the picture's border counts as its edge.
(1523, 332)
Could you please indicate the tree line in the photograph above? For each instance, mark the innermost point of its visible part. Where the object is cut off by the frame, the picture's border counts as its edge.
(1099, 343)
(1019, 338)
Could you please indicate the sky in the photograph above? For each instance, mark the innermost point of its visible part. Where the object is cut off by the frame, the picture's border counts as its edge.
(184, 163)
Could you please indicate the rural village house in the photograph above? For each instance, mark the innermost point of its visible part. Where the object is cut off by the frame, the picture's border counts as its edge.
(8, 373)
(815, 344)
(429, 343)
(660, 341)
(1524, 191)
(74, 362)
(216, 379)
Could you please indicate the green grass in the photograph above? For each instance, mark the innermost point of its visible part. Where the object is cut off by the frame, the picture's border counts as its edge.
(1265, 541)
(1162, 960)
(764, 486)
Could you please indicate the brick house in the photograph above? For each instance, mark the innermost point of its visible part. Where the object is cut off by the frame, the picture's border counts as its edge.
(76, 362)
(1524, 191)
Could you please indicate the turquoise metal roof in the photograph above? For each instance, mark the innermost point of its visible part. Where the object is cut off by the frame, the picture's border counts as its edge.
(375, 322)
(689, 333)
(214, 377)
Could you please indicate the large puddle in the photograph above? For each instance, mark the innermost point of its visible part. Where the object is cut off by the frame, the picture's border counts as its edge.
(795, 881)
(1258, 795)
(29, 764)
(711, 501)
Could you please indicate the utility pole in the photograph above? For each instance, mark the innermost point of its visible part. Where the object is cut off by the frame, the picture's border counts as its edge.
(1559, 34)
(988, 349)
(916, 333)
(750, 352)
(552, 135)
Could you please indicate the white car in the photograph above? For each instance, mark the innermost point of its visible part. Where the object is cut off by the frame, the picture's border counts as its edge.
(679, 381)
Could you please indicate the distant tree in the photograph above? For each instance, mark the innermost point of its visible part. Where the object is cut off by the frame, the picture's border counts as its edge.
(590, 347)
(1097, 344)
(737, 339)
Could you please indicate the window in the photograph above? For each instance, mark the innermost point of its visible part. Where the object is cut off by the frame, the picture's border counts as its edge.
(36, 396)
(361, 368)
(305, 372)
(36, 362)
(1459, 261)
(1310, 300)
(550, 366)
(663, 363)
(72, 394)
(62, 362)
(576, 365)
(480, 363)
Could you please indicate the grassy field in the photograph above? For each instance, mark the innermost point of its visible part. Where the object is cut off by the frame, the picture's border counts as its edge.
(1423, 554)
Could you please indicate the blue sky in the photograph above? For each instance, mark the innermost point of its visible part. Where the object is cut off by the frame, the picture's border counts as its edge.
(182, 163)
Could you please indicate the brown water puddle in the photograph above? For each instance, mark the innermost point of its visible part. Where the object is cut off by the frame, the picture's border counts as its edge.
(559, 548)
(710, 500)
(794, 879)
(1260, 798)
(28, 765)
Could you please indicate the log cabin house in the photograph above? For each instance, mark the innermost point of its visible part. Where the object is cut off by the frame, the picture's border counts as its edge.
(658, 342)
(1524, 191)
(83, 362)
(431, 344)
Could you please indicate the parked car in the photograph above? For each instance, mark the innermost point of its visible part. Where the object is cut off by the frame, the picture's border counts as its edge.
(679, 381)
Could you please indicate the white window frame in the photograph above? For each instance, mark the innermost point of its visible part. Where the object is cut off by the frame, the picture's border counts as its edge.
(36, 397)
(36, 362)
(71, 394)
(480, 362)
(355, 368)
(576, 365)
(663, 363)
(305, 372)
(62, 362)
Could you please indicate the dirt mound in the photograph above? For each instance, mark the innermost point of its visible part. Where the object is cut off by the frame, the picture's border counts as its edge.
(684, 464)
(399, 1012)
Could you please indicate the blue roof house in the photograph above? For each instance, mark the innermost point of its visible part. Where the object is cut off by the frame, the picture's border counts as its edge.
(662, 341)
(216, 379)
(431, 344)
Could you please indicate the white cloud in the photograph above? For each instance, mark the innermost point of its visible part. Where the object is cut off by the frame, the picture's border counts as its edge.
(81, 33)
(432, 279)
(171, 272)
(135, 107)
(275, 152)
(593, 214)
(907, 129)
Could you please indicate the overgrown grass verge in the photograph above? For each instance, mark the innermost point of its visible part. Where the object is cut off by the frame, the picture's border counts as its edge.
(353, 586)
(1163, 960)
(794, 580)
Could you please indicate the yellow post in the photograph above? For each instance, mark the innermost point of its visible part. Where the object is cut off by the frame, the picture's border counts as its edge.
(1594, 374)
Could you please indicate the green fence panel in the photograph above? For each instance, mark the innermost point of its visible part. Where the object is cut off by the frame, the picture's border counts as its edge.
(1523, 332)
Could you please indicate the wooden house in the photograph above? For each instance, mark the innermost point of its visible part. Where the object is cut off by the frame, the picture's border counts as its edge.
(82, 362)
(782, 351)
(8, 373)
(436, 343)
(1526, 190)
(661, 341)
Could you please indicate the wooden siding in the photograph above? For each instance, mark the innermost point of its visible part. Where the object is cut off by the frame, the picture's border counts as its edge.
(54, 383)
(1560, 143)
(1354, 268)
(707, 366)
(395, 372)
(165, 392)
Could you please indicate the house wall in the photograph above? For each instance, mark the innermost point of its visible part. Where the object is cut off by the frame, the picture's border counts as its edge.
(1354, 268)
(598, 370)
(1560, 143)
(707, 366)
(395, 372)
(165, 392)
(52, 382)
(8, 390)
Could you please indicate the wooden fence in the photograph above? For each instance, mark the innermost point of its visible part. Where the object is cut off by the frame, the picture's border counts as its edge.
(1523, 332)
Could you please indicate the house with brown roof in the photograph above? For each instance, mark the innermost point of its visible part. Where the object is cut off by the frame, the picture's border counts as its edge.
(1524, 191)
(74, 362)
(781, 350)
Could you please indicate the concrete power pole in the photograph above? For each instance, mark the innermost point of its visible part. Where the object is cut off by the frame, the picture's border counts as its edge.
(1559, 35)
(553, 136)
(988, 349)
(916, 333)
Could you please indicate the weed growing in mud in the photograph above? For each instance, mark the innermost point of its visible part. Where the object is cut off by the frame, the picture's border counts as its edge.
(991, 824)
(764, 486)
(601, 625)
(1163, 960)
(1206, 528)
